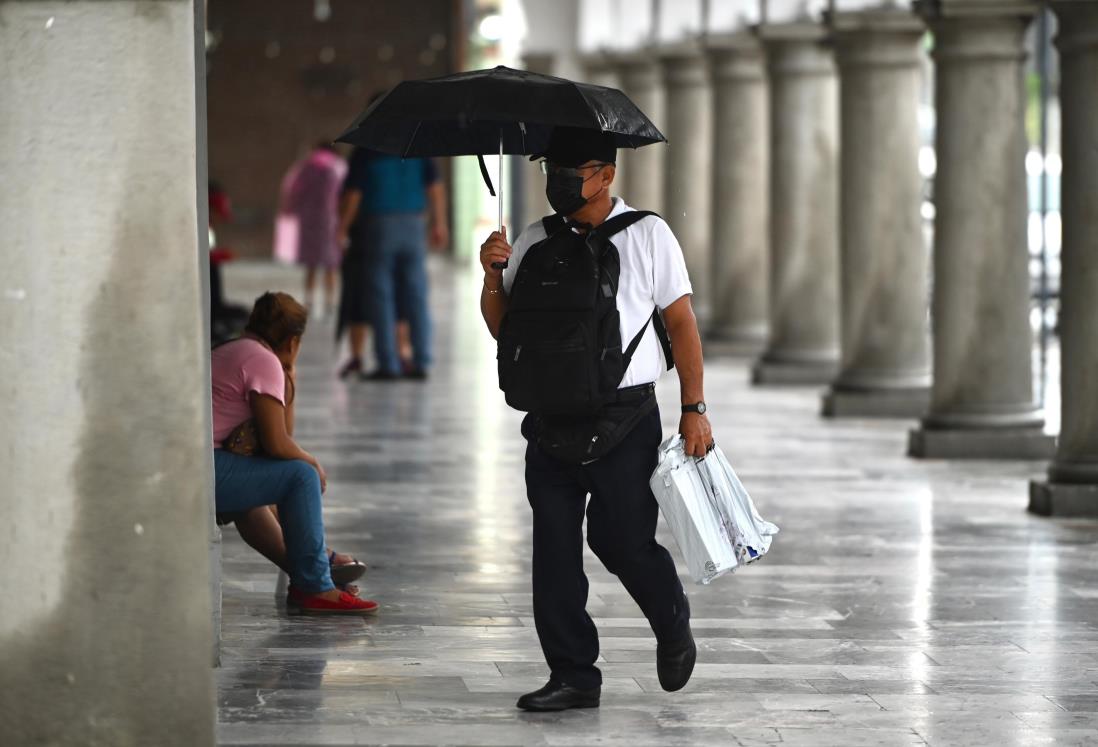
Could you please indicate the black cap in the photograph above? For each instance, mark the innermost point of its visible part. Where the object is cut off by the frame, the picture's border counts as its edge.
(574, 146)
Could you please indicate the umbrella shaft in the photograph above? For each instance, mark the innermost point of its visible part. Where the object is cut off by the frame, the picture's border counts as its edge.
(500, 182)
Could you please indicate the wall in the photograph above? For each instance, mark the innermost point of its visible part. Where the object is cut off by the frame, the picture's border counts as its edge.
(105, 623)
(280, 80)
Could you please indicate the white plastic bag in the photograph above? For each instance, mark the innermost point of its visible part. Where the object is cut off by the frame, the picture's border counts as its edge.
(751, 534)
(713, 519)
(689, 509)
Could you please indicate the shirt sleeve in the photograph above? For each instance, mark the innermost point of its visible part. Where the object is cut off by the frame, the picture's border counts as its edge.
(670, 280)
(430, 172)
(263, 374)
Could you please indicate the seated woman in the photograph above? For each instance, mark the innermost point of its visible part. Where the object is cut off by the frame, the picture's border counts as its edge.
(250, 414)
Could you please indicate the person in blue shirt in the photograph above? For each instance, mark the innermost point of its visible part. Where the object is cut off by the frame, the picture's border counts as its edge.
(391, 209)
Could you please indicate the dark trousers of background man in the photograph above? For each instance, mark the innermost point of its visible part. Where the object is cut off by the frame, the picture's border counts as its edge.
(621, 529)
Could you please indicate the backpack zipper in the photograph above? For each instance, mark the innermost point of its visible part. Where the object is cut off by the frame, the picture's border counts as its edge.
(518, 351)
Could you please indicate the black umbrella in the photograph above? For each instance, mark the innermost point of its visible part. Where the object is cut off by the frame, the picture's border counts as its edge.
(501, 110)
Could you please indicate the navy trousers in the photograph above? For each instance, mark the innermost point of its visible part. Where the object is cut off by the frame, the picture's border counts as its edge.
(621, 529)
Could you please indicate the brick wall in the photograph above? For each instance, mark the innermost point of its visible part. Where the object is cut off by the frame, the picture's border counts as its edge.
(280, 80)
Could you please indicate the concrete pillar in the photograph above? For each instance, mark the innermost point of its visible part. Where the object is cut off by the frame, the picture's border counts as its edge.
(601, 69)
(982, 400)
(741, 191)
(534, 205)
(803, 347)
(687, 197)
(105, 627)
(640, 177)
(1072, 485)
(884, 335)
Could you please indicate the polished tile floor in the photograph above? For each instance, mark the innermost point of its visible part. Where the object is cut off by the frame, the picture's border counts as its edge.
(903, 602)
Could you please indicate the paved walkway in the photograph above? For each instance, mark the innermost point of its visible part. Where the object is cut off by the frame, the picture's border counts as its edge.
(903, 602)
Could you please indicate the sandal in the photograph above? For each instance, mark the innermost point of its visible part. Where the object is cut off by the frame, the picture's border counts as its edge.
(347, 572)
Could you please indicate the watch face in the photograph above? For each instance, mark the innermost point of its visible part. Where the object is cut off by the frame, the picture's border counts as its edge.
(701, 408)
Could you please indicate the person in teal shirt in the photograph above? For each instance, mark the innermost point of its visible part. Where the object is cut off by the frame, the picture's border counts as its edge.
(391, 210)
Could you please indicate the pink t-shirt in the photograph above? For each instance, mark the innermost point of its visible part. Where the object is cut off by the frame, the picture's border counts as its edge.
(239, 368)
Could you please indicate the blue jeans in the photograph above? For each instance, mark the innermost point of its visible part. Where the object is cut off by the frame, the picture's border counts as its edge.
(243, 483)
(396, 256)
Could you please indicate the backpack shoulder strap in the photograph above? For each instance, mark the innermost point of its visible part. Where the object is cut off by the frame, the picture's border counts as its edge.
(664, 338)
(656, 320)
(619, 223)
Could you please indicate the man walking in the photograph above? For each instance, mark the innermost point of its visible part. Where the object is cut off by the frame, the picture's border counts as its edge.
(390, 210)
(611, 452)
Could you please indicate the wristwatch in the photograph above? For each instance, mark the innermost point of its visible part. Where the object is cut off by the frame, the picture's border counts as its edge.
(698, 407)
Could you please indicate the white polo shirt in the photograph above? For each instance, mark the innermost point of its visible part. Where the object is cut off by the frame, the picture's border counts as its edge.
(653, 273)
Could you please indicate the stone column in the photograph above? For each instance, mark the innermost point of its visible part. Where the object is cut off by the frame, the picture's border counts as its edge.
(982, 400)
(601, 69)
(1072, 485)
(105, 627)
(884, 335)
(803, 347)
(687, 197)
(534, 205)
(640, 179)
(741, 191)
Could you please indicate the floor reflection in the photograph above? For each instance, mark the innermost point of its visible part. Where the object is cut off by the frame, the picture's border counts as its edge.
(903, 603)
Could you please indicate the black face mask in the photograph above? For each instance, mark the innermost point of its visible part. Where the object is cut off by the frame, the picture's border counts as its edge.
(565, 193)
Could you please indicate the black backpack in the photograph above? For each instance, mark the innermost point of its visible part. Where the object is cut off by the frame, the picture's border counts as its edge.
(560, 348)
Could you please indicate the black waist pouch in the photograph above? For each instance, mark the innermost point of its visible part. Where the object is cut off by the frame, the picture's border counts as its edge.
(579, 440)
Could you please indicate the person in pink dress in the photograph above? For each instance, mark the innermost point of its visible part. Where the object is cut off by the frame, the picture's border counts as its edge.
(310, 203)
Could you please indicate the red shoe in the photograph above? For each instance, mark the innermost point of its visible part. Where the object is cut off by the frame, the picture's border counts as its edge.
(314, 604)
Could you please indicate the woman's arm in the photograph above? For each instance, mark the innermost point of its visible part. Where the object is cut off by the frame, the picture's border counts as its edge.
(270, 419)
(291, 398)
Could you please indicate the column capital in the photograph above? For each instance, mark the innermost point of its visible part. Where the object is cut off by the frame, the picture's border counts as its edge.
(971, 38)
(796, 31)
(599, 61)
(875, 21)
(684, 64)
(934, 9)
(685, 50)
(876, 38)
(538, 62)
(1078, 31)
(638, 67)
(736, 56)
(800, 48)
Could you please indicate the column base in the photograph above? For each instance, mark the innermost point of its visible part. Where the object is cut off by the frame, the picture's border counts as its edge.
(734, 347)
(1063, 499)
(875, 403)
(766, 372)
(980, 443)
(740, 345)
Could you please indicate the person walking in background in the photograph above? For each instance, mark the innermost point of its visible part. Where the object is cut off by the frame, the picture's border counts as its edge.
(310, 198)
(391, 209)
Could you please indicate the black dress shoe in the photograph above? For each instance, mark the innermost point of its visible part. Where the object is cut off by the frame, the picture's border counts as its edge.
(557, 696)
(675, 662)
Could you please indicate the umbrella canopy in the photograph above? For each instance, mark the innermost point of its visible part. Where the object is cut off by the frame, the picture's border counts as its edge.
(500, 110)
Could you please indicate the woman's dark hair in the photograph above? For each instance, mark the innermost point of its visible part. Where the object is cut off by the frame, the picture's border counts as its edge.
(277, 317)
